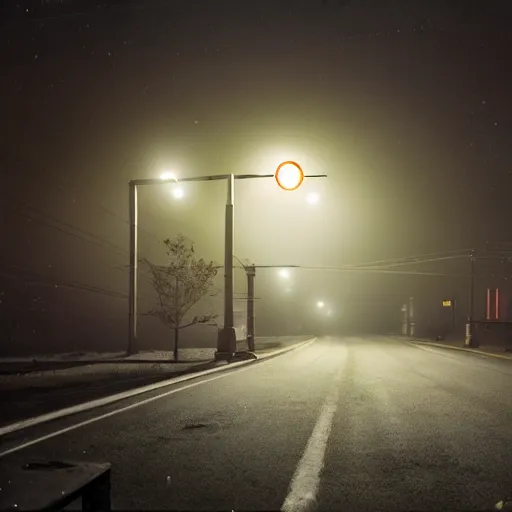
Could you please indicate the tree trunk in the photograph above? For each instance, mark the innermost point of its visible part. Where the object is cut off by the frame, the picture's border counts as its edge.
(176, 354)
(176, 319)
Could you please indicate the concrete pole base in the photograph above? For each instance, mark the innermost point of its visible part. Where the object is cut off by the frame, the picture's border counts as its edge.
(470, 340)
(226, 344)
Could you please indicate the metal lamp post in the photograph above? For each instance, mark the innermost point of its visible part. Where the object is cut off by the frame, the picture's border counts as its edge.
(251, 274)
(226, 343)
(250, 271)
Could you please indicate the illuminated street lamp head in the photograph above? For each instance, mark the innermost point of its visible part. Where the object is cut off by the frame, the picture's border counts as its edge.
(289, 175)
(168, 176)
(178, 193)
(320, 304)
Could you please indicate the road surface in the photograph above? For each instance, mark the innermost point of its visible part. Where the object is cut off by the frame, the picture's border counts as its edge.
(342, 424)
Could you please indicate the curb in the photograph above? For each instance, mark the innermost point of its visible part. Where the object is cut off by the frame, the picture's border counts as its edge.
(275, 353)
(100, 402)
(462, 349)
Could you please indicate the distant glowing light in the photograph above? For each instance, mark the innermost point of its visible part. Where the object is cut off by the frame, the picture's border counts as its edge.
(320, 304)
(284, 273)
(167, 175)
(313, 198)
(178, 193)
(289, 175)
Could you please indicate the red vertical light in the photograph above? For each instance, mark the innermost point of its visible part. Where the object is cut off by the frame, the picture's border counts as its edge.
(497, 304)
(488, 303)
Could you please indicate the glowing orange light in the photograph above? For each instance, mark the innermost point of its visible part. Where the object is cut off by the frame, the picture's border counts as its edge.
(289, 175)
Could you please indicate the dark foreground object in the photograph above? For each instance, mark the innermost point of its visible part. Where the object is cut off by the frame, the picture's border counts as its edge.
(54, 485)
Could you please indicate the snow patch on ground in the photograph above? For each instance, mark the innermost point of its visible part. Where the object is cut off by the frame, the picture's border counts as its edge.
(186, 354)
(96, 373)
(152, 363)
(68, 356)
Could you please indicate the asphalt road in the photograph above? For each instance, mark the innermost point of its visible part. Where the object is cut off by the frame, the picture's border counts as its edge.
(342, 424)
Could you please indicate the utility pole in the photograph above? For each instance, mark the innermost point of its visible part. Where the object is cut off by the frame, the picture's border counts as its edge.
(411, 317)
(226, 343)
(132, 285)
(405, 319)
(251, 273)
(469, 342)
(454, 315)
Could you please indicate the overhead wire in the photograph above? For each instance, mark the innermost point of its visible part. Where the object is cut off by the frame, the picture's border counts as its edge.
(97, 241)
(12, 271)
(421, 258)
(53, 184)
(31, 277)
(57, 224)
(382, 271)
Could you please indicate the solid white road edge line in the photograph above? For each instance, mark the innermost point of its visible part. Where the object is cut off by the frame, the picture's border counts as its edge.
(306, 479)
(13, 427)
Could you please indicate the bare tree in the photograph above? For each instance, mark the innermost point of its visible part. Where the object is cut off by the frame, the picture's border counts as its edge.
(180, 285)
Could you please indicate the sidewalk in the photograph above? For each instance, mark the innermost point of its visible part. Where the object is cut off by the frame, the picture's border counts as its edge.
(488, 350)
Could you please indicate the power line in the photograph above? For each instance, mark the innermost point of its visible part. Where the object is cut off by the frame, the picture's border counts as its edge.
(456, 253)
(415, 257)
(414, 262)
(52, 185)
(72, 226)
(99, 242)
(380, 271)
(30, 277)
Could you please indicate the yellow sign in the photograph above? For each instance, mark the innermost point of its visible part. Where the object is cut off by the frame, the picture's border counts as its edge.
(447, 303)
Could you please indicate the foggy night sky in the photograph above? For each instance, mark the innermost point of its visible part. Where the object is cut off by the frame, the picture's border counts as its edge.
(406, 105)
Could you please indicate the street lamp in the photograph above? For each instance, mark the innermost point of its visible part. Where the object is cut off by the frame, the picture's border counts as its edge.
(284, 273)
(178, 193)
(288, 175)
(313, 198)
(167, 175)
